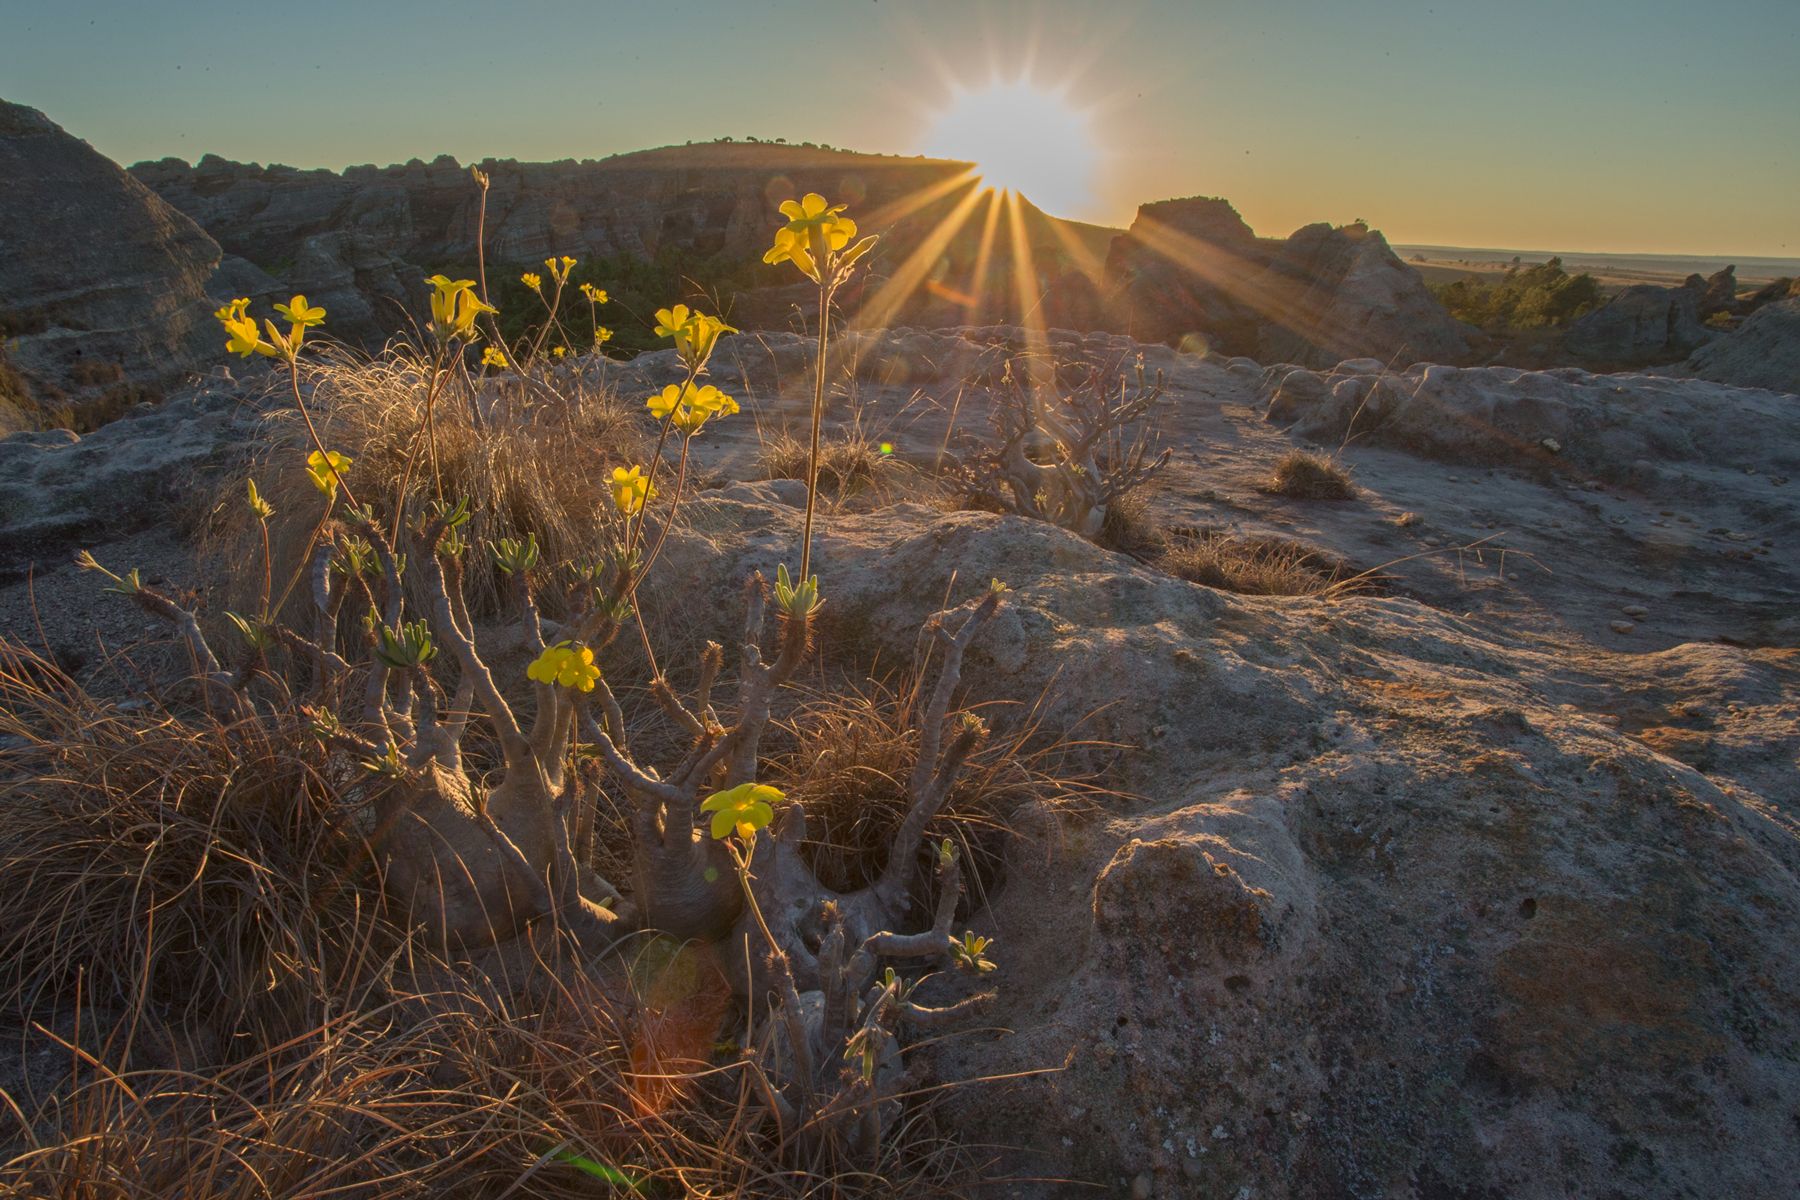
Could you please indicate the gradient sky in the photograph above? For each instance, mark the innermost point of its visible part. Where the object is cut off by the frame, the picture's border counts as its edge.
(1603, 125)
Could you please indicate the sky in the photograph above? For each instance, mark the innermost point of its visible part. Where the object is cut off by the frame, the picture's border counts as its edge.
(1630, 126)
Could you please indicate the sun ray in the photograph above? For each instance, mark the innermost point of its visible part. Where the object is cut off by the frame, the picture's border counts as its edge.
(879, 310)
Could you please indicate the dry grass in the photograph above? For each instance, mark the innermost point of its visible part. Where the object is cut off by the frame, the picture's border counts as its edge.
(1252, 566)
(251, 1026)
(1301, 475)
(847, 463)
(847, 754)
(527, 458)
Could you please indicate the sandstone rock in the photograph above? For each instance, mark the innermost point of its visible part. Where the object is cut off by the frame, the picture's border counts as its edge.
(59, 489)
(1380, 908)
(1763, 352)
(102, 284)
(1643, 324)
(1720, 294)
(1340, 293)
(1191, 269)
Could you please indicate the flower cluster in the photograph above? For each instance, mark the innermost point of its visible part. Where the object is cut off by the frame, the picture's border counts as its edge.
(687, 407)
(695, 334)
(594, 295)
(565, 664)
(454, 306)
(815, 237)
(631, 490)
(243, 337)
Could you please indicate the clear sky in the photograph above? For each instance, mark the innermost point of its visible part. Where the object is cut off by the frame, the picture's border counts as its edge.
(1601, 125)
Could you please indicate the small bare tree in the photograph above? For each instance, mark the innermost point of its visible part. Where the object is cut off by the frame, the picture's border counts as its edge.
(1065, 455)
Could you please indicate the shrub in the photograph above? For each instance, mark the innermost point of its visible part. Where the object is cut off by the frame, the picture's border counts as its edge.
(1534, 297)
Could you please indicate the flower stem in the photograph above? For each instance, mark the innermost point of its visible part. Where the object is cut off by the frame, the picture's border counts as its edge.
(812, 456)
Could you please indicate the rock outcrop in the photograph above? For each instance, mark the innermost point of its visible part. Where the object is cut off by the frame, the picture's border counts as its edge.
(1192, 269)
(1621, 427)
(1642, 325)
(102, 284)
(362, 241)
(1763, 352)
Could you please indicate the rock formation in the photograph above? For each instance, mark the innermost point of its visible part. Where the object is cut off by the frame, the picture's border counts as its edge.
(362, 241)
(1763, 352)
(1643, 324)
(1193, 268)
(101, 283)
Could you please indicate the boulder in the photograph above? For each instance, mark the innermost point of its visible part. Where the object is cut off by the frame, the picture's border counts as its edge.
(102, 284)
(1331, 294)
(1643, 324)
(1763, 352)
(1720, 293)
(1191, 272)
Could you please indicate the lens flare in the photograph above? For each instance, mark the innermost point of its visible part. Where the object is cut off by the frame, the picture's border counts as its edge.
(1022, 138)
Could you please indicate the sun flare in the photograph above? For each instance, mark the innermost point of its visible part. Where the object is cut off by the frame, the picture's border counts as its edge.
(1021, 138)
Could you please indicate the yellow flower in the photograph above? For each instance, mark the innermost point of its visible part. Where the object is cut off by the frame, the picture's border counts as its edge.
(492, 357)
(631, 490)
(688, 407)
(814, 237)
(595, 295)
(299, 312)
(325, 469)
(534, 282)
(561, 275)
(602, 335)
(566, 665)
(454, 306)
(790, 247)
(695, 333)
(242, 335)
(558, 351)
(742, 810)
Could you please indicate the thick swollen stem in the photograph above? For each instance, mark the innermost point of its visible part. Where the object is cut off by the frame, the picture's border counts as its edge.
(812, 455)
(513, 745)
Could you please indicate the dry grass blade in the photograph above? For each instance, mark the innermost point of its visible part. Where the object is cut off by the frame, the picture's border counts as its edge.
(1254, 566)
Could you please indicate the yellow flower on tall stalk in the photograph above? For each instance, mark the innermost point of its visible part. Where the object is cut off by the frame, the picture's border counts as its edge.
(817, 239)
(595, 295)
(492, 357)
(687, 407)
(742, 810)
(454, 306)
(695, 333)
(300, 316)
(631, 490)
(559, 268)
(326, 470)
(532, 281)
(602, 335)
(566, 665)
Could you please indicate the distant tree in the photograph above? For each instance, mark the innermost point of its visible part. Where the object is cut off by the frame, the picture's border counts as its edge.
(1523, 298)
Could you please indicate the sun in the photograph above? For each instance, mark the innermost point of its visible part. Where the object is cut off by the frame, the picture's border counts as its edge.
(1021, 138)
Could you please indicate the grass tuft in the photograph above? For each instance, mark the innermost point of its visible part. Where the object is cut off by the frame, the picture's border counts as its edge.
(1301, 475)
(1251, 566)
